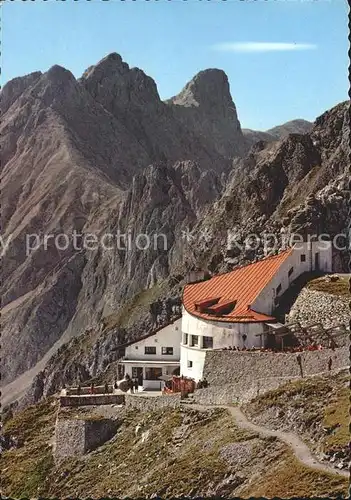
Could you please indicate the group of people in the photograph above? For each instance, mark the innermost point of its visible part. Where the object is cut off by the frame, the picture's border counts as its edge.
(133, 384)
(202, 384)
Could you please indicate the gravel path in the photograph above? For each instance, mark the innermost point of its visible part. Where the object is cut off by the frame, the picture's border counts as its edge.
(299, 448)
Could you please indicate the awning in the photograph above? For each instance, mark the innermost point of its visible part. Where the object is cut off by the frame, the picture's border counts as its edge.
(148, 362)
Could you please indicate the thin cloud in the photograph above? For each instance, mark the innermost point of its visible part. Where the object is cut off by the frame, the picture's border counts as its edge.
(262, 46)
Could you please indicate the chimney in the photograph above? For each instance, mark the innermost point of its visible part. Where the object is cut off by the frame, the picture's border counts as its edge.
(195, 276)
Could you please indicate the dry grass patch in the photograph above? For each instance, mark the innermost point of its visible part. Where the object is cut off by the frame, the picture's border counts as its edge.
(25, 468)
(135, 308)
(340, 287)
(337, 414)
(289, 478)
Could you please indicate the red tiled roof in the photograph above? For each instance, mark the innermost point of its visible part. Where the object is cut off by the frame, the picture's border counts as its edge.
(242, 286)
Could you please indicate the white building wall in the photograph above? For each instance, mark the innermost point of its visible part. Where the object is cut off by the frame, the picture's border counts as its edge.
(170, 336)
(223, 335)
(265, 301)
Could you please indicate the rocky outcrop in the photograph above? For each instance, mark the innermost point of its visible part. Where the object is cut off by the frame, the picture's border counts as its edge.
(132, 97)
(206, 106)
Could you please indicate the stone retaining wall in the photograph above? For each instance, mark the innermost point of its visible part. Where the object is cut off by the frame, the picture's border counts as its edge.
(237, 393)
(315, 306)
(245, 368)
(74, 437)
(152, 403)
(98, 399)
(98, 390)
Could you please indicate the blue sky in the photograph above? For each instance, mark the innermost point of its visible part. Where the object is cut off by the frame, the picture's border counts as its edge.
(284, 59)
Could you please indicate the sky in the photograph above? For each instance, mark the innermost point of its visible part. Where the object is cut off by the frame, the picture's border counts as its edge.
(285, 59)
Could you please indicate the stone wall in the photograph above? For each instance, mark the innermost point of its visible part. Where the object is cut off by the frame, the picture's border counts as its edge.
(74, 437)
(237, 393)
(245, 368)
(69, 438)
(98, 389)
(152, 403)
(98, 399)
(314, 306)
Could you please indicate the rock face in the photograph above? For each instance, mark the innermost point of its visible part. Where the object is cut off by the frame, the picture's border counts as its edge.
(132, 97)
(298, 185)
(103, 154)
(206, 106)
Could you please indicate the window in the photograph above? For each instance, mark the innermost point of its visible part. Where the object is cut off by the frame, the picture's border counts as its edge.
(150, 350)
(303, 257)
(167, 350)
(137, 372)
(185, 338)
(153, 373)
(291, 270)
(207, 342)
(190, 364)
(278, 289)
(194, 340)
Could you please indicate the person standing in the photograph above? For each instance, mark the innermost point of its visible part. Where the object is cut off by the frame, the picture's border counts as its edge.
(136, 385)
(140, 380)
(330, 362)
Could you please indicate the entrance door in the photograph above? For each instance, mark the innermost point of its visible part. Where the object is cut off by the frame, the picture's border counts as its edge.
(316, 261)
(137, 372)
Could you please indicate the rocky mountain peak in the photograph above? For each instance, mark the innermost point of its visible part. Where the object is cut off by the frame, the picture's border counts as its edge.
(205, 103)
(110, 64)
(58, 75)
(115, 85)
(208, 89)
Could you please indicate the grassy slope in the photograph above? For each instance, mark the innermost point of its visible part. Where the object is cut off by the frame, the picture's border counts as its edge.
(310, 404)
(24, 469)
(126, 466)
(137, 307)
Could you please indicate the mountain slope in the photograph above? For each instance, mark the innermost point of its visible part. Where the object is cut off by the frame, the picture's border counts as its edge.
(184, 452)
(104, 155)
(298, 126)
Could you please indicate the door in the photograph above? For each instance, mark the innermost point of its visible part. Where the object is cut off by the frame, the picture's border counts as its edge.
(316, 261)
